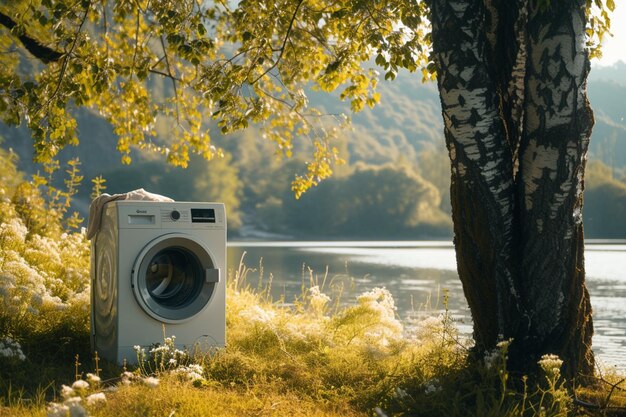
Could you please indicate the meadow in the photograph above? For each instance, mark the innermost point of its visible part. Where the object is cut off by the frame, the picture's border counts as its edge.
(317, 354)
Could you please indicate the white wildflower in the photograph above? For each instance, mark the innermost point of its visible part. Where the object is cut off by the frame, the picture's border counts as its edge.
(67, 392)
(551, 365)
(151, 382)
(96, 398)
(127, 377)
(141, 352)
(80, 385)
(75, 407)
(10, 348)
(304, 330)
(498, 354)
(256, 314)
(491, 358)
(380, 302)
(432, 386)
(58, 410)
(94, 379)
(380, 297)
(14, 229)
(428, 328)
(504, 344)
(161, 348)
(192, 372)
(318, 300)
(401, 393)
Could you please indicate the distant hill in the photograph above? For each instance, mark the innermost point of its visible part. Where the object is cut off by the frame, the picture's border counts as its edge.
(405, 129)
(615, 73)
(607, 94)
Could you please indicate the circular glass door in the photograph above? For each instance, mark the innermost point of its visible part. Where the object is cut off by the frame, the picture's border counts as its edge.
(174, 278)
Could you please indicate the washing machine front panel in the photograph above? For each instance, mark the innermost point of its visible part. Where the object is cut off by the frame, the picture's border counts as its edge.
(175, 216)
(174, 278)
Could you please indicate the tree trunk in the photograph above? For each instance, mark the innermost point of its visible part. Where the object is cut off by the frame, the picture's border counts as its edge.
(482, 190)
(518, 232)
(553, 152)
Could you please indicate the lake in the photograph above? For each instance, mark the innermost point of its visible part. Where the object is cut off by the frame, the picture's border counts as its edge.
(418, 273)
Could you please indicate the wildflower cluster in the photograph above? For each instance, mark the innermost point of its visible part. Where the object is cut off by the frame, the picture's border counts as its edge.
(76, 396)
(193, 373)
(257, 314)
(419, 329)
(164, 359)
(11, 349)
(375, 316)
(551, 365)
(318, 301)
(496, 358)
(39, 273)
(380, 302)
(130, 378)
(432, 386)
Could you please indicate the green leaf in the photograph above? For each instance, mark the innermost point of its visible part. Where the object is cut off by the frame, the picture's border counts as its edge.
(610, 4)
(390, 76)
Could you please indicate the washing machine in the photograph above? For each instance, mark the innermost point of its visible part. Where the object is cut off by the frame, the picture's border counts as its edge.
(158, 269)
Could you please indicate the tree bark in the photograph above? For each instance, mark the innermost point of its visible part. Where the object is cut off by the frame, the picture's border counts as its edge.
(553, 152)
(512, 83)
(482, 190)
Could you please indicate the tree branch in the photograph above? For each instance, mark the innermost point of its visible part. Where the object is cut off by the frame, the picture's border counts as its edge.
(66, 59)
(164, 74)
(282, 48)
(169, 73)
(132, 69)
(36, 48)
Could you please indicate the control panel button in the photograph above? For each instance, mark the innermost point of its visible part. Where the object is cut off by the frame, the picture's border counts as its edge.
(175, 215)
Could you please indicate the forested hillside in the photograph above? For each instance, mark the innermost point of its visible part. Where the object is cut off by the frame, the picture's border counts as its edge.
(394, 185)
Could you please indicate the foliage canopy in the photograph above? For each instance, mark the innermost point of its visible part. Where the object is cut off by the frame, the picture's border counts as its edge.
(225, 66)
(234, 65)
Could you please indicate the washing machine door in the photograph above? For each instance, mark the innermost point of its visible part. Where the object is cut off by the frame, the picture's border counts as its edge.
(174, 278)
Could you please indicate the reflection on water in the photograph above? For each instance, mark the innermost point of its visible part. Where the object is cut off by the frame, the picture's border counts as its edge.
(417, 273)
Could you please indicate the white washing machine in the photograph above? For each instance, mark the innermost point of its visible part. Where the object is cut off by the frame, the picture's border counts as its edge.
(156, 264)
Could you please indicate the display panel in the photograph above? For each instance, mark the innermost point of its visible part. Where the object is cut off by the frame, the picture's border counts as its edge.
(204, 215)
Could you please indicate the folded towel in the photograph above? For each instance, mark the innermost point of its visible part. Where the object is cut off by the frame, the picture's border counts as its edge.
(98, 203)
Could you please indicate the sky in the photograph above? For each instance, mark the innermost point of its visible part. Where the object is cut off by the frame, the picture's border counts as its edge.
(614, 48)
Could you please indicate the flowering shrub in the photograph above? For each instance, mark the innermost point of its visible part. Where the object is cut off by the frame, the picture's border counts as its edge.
(44, 272)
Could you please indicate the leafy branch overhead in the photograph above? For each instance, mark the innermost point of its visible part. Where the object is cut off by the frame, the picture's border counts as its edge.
(188, 65)
(191, 65)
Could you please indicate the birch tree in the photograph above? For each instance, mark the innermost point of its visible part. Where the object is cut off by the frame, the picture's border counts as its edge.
(512, 81)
